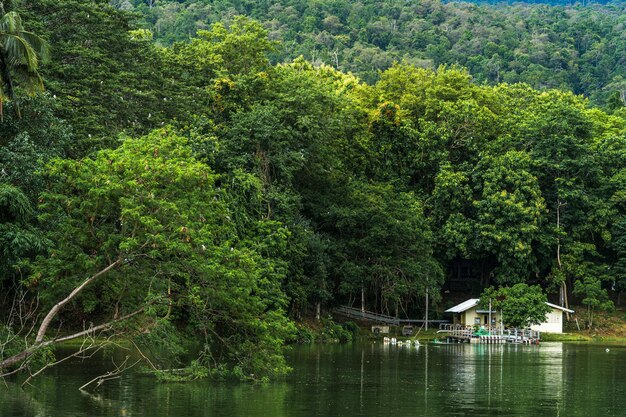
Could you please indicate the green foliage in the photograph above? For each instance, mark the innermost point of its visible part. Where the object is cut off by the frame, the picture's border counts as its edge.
(333, 332)
(568, 47)
(21, 52)
(29, 142)
(304, 334)
(151, 205)
(594, 297)
(384, 245)
(12, 342)
(278, 191)
(164, 342)
(509, 215)
(522, 305)
(18, 237)
(104, 80)
(192, 372)
(212, 74)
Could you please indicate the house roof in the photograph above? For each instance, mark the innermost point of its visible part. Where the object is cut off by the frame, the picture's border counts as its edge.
(473, 302)
(560, 308)
(464, 306)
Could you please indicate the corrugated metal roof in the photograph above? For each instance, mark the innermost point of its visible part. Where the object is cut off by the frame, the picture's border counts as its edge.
(560, 308)
(464, 306)
(472, 302)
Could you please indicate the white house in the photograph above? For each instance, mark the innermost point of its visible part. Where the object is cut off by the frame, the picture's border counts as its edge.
(554, 320)
(467, 313)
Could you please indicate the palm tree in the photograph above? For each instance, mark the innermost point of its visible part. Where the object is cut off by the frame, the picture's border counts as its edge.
(21, 52)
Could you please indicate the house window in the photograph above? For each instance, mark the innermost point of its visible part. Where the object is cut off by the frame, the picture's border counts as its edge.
(477, 320)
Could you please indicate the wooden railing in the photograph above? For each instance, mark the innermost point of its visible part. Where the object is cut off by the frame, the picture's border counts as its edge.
(358, 314)
(513, 335)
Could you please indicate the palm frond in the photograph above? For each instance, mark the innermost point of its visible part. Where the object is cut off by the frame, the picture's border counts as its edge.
(41, 47)
(11, 23)
(18, 51)
(30, 81)
(21, 52)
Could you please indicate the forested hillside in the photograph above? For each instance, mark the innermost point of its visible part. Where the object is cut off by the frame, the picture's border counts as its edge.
(573, 48)
(199, 192)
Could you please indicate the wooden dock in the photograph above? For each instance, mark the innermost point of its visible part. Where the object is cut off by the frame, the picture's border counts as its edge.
(456, 333)
(364, 315)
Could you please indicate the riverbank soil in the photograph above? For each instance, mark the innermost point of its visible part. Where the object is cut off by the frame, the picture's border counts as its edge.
(606, 325)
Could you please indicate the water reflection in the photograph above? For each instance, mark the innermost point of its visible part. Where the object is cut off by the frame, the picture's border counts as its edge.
(15, 400)
(496, 379)
(361, 380)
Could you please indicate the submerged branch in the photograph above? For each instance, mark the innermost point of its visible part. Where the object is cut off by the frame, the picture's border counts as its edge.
(119, 369)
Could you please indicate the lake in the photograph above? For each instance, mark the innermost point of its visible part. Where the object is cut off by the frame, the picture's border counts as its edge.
(361, 379)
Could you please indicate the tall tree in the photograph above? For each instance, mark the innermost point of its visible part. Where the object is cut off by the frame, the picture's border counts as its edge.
(522, 305)
(145, 230)
(21, 52)
(105, 79)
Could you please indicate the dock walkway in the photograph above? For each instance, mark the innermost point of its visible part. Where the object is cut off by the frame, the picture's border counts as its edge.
(364, 315)
(457, 333)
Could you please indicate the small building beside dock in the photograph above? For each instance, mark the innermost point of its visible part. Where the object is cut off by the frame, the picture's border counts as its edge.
(554, 320)
(468, 313)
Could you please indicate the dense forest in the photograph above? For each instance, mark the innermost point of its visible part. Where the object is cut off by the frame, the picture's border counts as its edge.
(574, 48)
(202, 192)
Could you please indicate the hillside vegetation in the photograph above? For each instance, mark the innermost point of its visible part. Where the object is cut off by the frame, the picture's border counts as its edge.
(199, 198)
(574, 48)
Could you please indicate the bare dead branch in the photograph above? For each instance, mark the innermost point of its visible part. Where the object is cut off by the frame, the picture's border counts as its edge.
(15, 371)
(83, 348)
(58, 306)
(91, 330)
(144, 356)
(119, 369)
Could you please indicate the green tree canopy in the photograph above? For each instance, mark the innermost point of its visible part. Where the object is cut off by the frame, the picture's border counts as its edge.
(521, 305)
(155, 214)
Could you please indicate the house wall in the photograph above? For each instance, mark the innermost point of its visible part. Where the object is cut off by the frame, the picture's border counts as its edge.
(468, 317)
(553, 323)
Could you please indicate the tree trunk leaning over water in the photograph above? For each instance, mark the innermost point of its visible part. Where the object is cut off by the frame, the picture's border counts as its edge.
(40, 341)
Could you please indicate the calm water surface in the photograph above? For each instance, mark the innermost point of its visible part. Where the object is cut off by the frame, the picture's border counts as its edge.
(553, 379)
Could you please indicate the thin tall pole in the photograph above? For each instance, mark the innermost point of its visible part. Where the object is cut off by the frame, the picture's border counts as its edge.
(362, 299)
(427, 308)
(489, 327)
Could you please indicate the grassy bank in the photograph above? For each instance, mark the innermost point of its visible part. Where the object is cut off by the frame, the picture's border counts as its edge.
(565, 337)
(605, 326)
